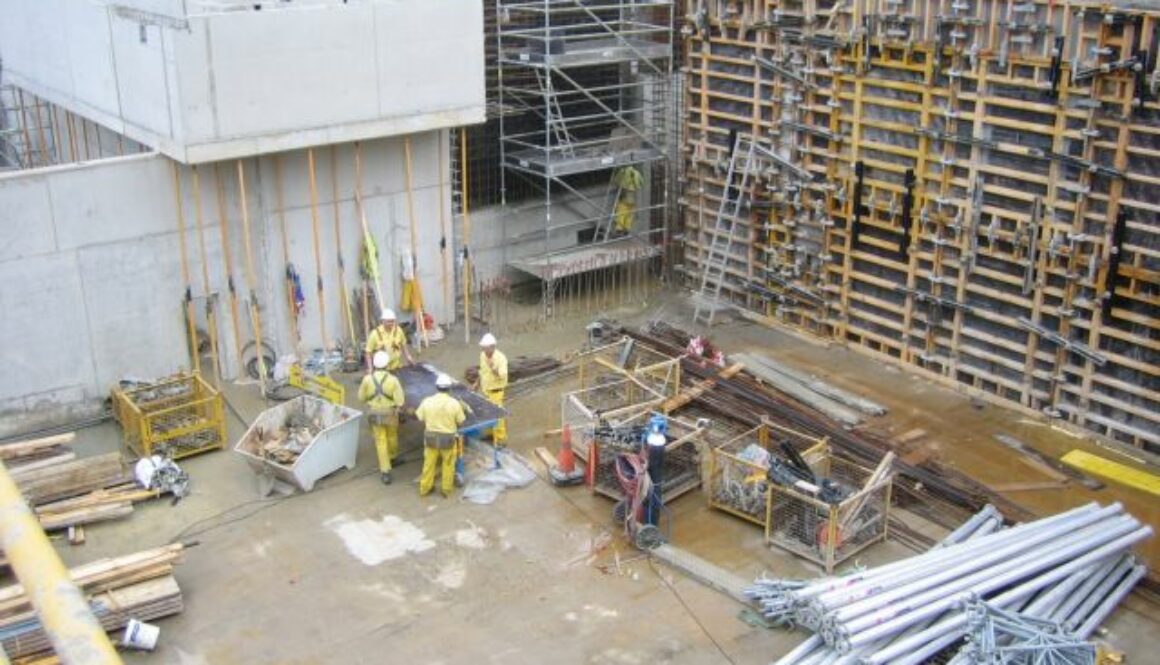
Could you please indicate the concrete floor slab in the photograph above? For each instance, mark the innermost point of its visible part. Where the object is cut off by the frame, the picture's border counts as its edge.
(274, 580)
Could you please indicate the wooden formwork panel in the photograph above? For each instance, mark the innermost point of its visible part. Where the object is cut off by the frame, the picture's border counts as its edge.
(972, 190)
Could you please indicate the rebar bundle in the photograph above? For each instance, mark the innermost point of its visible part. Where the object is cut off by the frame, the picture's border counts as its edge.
(745, 400)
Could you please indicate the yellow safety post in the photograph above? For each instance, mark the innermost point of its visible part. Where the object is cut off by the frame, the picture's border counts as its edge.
(76, 635)
(445, 282)
(344, 296)
(317, 252)
(195, 360)
(291, 301)
(362, 213)
(466, 237)
(251, 280)
(416, 290)
(227, 258)
(210, 312)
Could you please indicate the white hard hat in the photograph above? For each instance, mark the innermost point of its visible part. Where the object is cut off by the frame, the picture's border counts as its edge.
(388, 315)
(487, 340)
(381, 359)
(444, 382)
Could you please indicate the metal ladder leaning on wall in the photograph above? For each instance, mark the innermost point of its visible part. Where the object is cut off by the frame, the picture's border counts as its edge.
(553, 114)
(733, 200)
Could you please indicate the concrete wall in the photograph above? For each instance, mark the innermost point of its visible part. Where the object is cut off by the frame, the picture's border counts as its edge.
(385, 202)
(500, 235)
(207, 86)
(91, 283)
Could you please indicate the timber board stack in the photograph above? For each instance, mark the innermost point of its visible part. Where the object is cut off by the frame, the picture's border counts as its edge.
(137, 586)
(965, 201)
(66, 491)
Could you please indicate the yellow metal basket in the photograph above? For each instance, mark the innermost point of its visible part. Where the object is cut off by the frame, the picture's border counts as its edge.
(739, 486)
(180, 415)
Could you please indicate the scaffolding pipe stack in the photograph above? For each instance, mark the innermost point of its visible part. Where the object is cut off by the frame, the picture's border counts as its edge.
(1044, 585)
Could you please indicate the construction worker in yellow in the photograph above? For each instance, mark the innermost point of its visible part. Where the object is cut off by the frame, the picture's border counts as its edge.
(442, 415)
(389, 337)
(493, 380)
(383, 393)
(628, 181)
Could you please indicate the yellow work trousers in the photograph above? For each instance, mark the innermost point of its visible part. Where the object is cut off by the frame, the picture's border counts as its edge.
(412, 298)
(625, 215)
(499, 432)
(386, 433)
(433, 458)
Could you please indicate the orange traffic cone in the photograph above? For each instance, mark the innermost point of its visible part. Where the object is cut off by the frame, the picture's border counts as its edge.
(566, 461)
(593, 460)
(565, 471)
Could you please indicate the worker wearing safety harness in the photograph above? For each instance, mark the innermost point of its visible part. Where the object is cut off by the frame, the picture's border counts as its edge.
(442, 415)
(389, 337)
(493, 380)
(384, 395)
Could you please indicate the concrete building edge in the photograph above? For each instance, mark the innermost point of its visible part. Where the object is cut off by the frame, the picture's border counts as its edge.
(307, 138)
(224, 149)
(76, 166)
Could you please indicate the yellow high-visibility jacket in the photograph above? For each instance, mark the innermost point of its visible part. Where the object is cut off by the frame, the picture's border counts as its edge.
(382, 391)
(441, 413)
(392, 341)
(493, 381)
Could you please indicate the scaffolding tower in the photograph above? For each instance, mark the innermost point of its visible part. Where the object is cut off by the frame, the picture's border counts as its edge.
(588, 86)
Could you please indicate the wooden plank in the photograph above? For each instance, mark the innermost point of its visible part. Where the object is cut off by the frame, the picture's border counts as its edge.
(799, 391)
(1030, 486)
(119, 494)
(145, 601)
(72, 478)
(87, 515)
(25, 447)
(546, 457)
(684, 397)
(909, 436)
(33, 462)
(1044, 469)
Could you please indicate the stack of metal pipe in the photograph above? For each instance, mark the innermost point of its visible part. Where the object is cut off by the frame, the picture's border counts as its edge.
(1068, 570)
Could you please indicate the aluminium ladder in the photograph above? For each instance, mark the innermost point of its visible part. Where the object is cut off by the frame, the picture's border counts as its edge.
(733, 201)
(611, 198)
(553, 114)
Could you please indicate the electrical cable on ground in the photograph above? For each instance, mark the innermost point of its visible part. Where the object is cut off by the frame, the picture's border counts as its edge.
(268, 502)
(691, 613)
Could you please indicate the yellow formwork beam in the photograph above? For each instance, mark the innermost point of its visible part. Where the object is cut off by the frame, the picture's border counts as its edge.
(1113, 471)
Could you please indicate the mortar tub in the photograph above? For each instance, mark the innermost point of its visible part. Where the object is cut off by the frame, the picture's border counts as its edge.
(335, 446)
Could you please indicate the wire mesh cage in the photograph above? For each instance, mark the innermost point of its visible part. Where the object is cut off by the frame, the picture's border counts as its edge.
(658, 371)
(828, 522)
(179, 416)
(612, 402)
(738, 469)
(681, 472)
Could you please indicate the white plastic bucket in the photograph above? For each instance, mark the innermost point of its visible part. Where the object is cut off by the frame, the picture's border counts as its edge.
(140, 635)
